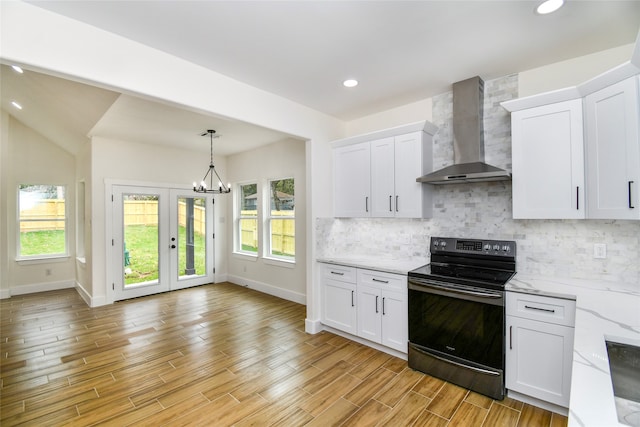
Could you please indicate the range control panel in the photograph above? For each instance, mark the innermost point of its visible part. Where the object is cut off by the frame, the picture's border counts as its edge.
(473, 246)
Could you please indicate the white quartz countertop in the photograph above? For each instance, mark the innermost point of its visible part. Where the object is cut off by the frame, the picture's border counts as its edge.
(602, 313)
(387, 265)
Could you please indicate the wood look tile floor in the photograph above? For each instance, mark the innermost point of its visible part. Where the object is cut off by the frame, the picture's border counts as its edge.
(214, 355)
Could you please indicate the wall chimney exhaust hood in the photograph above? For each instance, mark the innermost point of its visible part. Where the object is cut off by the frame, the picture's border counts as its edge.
(468, 140)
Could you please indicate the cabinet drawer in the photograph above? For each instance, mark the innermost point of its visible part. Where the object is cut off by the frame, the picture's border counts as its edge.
(545, 309)
(341, 273)
(382, 280)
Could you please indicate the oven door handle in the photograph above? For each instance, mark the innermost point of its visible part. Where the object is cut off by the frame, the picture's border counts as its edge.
(421, 284)
(462, 365)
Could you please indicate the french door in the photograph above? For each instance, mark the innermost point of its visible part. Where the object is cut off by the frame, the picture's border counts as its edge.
(162, 240)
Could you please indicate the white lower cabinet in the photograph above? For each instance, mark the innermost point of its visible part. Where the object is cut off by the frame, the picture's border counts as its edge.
(339, 298)
(366, 303)
(539, 350)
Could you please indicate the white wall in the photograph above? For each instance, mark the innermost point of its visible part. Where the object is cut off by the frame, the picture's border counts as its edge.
(571, 72)
(33, 159)
(41, 40)
(279, 160)
(132, 163)
(4, 175)
(409, 113)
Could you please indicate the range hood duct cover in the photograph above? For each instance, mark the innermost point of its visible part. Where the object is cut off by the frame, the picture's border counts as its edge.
(468, 139)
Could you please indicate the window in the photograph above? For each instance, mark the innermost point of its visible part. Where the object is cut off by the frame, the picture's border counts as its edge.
(80, 221)
(247, 219)
(281, 220)
(42, 220)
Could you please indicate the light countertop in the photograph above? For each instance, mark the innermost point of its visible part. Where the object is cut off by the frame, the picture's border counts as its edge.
(602, 312)
(387, 265)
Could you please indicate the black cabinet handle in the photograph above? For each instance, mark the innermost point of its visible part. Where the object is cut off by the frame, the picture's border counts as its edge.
(396, 203)
(352, 304)
(577, 198)
(539, 309)
(337, 273)
(376, 303)
(366, 204)
(379, 281)
(630, 205)
(510, 338)
(390, 209)
(383, 313)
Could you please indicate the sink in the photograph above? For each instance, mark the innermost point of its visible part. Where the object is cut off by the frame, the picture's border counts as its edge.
(624, 363)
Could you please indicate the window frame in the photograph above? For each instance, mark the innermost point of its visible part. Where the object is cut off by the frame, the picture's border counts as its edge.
(238, 217)
(65, 221)
(268, 218)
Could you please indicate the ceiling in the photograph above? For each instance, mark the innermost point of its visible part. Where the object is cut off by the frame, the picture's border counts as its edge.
(400, 51)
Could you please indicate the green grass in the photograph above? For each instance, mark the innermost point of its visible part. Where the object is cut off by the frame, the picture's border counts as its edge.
(142, 244)
(47, 242)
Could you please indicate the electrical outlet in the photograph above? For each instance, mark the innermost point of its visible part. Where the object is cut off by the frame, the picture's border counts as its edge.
(600, 250)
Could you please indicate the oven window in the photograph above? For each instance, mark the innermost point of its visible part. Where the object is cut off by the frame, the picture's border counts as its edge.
(467, 329)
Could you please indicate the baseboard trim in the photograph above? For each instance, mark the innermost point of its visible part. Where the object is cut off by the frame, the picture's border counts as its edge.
(313, 326)
(539, 403)
(368, 343)
(91, 301)
(268, 289)
(42, 287)
(5, 293)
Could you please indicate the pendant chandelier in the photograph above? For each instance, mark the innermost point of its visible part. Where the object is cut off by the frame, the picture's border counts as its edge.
(202, 188)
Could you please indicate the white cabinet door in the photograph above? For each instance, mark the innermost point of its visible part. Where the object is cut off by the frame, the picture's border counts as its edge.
(382, 178)
(548, 161)
(369, 313)
(394, 320)
(412, 160)
(613, 152)
(352, 177)
(339, 305)
(538, 360)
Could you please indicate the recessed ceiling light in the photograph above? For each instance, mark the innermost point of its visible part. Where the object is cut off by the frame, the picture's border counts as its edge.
(549, 6)
(350, 83)
(15, 104)
(17, 69)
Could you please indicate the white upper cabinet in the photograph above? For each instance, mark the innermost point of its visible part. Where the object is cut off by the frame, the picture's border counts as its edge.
(548, 161)
(351, 180)
(613, 151)
(382, 177)
(377, 177)
(396, 162)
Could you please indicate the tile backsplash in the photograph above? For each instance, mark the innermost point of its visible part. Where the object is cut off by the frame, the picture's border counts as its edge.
(555, 248)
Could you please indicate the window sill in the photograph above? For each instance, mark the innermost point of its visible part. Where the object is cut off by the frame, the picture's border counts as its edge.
(280, 262)
(245, 256)
(43, 260)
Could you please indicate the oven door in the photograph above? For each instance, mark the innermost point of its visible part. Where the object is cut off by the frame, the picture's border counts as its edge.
(466, 323)
(456, 333)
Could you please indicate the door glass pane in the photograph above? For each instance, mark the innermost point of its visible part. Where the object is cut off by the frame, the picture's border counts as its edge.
(141, 239)
(192, 250)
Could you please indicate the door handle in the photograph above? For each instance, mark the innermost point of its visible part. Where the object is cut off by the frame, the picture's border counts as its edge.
(396, 203)
(510, 338)
(383, 313)
(352, 304)
(376, 303)
(366, 204)
(390, 210)
(630, 205)
(577, 198)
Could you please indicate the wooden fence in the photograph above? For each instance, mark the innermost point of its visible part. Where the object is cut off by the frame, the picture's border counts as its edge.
(45, 215)
(283, 232)
(50, 214)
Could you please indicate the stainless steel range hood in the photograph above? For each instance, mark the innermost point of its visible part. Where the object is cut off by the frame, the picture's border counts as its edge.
(468, 139)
